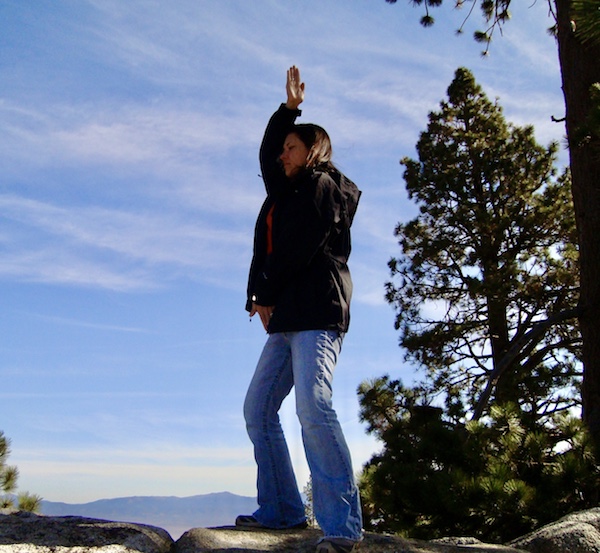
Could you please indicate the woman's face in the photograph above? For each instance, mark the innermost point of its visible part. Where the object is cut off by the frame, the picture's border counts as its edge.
(294, 154)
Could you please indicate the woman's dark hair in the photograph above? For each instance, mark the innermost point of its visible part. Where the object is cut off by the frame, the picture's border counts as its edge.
(317, 141)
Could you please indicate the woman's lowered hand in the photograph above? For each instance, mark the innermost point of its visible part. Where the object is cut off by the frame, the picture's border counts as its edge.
(265, 312)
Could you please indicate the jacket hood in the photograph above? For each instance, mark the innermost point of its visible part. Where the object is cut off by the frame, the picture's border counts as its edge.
(350, 195)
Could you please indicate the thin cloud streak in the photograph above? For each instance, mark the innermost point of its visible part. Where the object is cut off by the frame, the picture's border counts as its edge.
(137, 242)
(157, 452)
(85, 324)
(53, 266)
(125, 135)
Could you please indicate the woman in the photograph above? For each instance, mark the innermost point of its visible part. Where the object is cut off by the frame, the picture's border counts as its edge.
(300, 287)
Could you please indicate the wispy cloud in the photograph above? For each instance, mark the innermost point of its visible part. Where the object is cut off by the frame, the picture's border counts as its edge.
(86, 324)
(115, 248)
(157, 135)
(58, 267)
(135, 134)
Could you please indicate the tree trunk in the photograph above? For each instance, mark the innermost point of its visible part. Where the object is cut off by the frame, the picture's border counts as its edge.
(507, 381)
(580, 68)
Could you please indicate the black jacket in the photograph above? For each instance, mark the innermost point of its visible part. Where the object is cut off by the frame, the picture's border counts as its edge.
(305, 276)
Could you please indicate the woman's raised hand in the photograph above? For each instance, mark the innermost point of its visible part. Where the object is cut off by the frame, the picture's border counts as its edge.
(294, 88)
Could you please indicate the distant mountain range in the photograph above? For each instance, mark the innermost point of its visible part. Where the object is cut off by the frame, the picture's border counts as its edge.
(174, 514)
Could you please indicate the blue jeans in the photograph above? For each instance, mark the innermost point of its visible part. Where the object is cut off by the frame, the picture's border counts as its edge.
(305, 360)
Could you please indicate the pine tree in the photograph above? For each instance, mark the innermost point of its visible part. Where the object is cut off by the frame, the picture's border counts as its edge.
(577, 30)
(309, 507)
(8, 483)
(485, 291)
(487, 281)
(8, 474)
(495, 479)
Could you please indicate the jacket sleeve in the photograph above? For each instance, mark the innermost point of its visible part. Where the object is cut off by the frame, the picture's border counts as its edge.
(278, 127)
(303, 236)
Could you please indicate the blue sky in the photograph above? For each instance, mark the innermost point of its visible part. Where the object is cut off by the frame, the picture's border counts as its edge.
(129, 187)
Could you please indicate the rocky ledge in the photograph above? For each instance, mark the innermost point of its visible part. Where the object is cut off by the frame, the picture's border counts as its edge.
(28, 533)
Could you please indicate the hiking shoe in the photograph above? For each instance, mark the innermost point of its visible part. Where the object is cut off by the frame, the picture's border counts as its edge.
(336, 545)
(248, 521)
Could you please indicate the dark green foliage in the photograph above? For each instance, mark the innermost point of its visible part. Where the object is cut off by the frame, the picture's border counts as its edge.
(309, 508)
(495, 14)
(577, 32)
(586, 19)
(589, 131)
(8, 482)
(489, 260)
(495, 480)
(485, 291)
(8, 474)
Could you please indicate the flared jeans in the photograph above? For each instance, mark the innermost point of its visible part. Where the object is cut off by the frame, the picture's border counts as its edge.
(305, 360)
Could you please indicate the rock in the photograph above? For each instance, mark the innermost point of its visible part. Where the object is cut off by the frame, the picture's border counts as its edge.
(29, 533)
(575, 533)
(461, 540)
(234, 540)
(199, 540)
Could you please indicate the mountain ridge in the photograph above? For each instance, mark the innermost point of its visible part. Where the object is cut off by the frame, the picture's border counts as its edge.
(175, 514)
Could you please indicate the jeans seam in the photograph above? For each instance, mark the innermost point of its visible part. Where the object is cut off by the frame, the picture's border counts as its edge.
(265, 419)
(324, 347)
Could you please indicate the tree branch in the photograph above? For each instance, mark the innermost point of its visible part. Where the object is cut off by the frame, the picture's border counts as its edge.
(526, 342)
